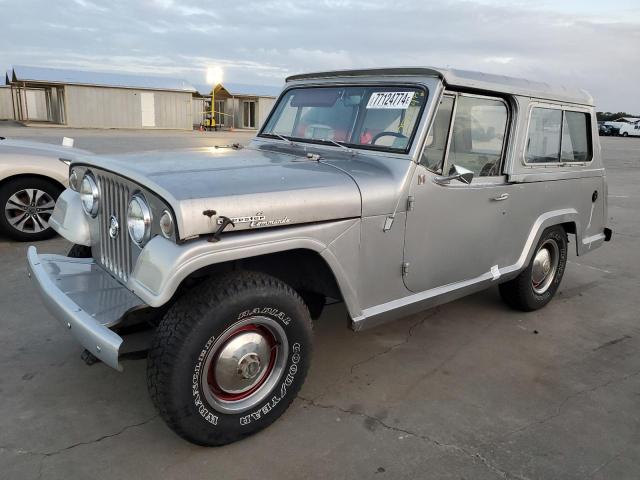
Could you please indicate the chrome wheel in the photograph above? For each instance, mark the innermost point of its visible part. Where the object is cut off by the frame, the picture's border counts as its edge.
(29, 210)
(243, 364)
(545, 266)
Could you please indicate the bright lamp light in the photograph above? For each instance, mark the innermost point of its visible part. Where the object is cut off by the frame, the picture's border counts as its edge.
(214, 76)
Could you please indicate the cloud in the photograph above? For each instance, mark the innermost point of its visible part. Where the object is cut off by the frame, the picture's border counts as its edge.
(89, 5)
(500, 60)
(577, 42)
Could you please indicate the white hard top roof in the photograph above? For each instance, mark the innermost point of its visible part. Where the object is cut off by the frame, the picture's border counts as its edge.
(467, 79)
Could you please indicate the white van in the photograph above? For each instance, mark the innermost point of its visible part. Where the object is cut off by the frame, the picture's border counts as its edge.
(630, 130)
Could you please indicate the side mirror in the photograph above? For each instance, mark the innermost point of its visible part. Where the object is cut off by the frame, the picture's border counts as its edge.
(456, 172)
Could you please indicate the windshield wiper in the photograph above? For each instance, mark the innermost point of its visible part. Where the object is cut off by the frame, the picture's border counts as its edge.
(282, 137)
(344, 147)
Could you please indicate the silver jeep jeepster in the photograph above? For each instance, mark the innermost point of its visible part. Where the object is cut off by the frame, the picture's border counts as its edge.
(393, 190)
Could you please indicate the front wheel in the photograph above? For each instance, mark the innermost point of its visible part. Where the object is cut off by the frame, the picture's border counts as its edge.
(625, 134)
(229, 357)
(537, 284)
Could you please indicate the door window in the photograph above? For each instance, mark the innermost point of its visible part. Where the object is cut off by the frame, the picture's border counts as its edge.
(436, 143)
(478, 135)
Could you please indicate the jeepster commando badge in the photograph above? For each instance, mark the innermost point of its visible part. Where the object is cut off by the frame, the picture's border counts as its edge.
(258, 220)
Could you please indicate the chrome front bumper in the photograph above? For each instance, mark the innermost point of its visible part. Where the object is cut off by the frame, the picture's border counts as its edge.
(85, 298)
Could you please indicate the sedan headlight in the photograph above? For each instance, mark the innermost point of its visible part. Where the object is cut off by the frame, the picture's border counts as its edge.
(139, 219)
(90, 195)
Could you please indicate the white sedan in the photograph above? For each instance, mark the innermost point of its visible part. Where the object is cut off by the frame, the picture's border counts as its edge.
(32, 175)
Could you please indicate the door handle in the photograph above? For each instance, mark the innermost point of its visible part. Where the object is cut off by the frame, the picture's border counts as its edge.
(501, 197)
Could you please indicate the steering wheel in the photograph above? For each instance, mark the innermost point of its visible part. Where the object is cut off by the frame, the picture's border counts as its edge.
(386, 134)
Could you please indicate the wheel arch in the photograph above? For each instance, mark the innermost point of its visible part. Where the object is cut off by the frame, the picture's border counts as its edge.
(25, 176)
(304, 269)
(567, 219)
(309, 264)
(572, 228)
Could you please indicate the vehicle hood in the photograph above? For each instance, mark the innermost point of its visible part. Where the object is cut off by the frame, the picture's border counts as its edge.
(26, 147)
(19, 157)
(254, 188)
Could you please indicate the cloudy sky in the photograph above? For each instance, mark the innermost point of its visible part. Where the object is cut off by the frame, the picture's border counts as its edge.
(593, 44)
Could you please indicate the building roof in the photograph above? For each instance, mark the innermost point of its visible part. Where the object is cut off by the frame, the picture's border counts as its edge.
(242, 90)
(41, 75)
(468, 79)
(627, 119)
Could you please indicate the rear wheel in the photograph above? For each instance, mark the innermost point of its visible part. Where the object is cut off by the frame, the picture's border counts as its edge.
(229, 357)
(625, 134)
(537, 284)
(27, 204)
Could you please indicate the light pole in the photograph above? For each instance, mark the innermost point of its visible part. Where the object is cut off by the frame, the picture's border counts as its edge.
(214, 78)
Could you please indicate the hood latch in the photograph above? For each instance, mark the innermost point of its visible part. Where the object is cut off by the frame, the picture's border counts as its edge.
(224, 221)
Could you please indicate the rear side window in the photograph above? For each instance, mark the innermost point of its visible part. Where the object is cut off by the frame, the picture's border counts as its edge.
(543, 143)
(558, 136)
(576, 141)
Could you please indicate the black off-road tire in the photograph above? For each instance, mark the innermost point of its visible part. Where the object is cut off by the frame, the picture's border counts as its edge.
(79, 251)
(519, 293)
(11, 187)
(187, 333)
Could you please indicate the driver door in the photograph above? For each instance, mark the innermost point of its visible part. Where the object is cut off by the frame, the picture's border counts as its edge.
(454, 230)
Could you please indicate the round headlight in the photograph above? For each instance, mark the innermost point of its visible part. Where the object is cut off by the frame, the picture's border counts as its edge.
(139, 219)
(89, 195)
(74, 180)
(166, 224)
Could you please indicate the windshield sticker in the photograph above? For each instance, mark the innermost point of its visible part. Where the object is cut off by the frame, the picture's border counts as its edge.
(397, 100)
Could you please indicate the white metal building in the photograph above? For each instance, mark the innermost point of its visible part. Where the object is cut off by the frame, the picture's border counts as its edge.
(6, 108)
(238, 105)
(99, 100)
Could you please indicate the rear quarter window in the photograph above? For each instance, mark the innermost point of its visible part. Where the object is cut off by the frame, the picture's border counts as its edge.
(576, 137)
(558, 136)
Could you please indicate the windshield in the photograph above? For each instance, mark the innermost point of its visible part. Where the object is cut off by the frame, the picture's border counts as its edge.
(377, 118)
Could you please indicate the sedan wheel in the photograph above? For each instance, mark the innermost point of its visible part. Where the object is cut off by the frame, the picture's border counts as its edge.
(28, 204)
(28, 210)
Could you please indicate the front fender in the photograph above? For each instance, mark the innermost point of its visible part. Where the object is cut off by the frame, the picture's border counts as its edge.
(163, 264)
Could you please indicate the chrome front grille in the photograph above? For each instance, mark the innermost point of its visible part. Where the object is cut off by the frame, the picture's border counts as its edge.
(115, 250)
